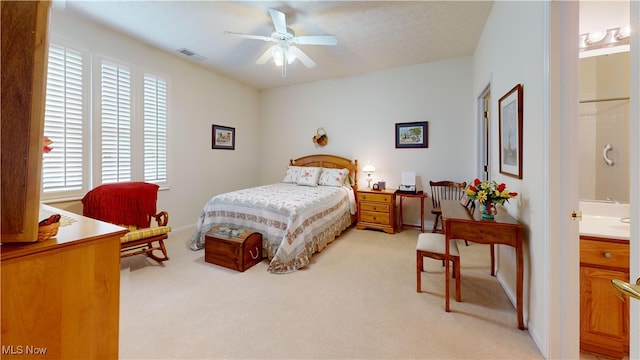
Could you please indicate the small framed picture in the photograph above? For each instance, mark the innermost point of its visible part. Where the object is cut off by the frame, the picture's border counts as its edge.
(412, 135)
(223, 137)
(510, 132)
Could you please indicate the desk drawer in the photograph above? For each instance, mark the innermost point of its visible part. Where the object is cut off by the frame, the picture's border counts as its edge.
(604, 253)
(384, 198)
(375, 217)
(375, 207)
(484, 234)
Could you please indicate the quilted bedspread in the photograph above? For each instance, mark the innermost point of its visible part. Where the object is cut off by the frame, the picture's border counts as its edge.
(295, 221)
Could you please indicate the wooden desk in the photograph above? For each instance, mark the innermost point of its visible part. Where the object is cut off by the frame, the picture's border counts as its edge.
(459, 223)
(420, 196)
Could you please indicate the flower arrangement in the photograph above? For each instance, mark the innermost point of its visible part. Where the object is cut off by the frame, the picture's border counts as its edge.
(489, 192)
(46, 148)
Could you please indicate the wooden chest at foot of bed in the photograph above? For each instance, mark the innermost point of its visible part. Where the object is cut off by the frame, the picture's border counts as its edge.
(236, 249)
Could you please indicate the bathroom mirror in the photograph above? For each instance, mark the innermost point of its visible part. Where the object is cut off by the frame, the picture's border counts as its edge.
(604, 128)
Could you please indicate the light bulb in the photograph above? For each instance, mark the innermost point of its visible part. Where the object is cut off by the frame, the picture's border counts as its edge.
(596, 36)
(623, 32)
(278, 56)
(291, 58)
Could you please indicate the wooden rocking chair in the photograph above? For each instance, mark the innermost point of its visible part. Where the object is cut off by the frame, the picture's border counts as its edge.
(131, 205)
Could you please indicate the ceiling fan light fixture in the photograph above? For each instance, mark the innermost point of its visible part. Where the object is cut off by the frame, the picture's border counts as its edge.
(278, 55)
(291, 58)
(284, 51)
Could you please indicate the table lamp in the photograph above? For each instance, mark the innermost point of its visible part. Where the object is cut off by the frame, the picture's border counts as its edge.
(369, 169)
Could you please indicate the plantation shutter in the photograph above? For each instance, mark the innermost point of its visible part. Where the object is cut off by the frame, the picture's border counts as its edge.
(62, 168)
(115, 114)
(155, 129)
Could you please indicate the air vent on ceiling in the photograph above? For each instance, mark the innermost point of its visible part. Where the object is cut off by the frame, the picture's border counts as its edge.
(191, 54)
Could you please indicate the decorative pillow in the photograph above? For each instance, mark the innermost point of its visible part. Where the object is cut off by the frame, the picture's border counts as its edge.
(348, 180)
(293, 174)
(333, 177)
(309, 176)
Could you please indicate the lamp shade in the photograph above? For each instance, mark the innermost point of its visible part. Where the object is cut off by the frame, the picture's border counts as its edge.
(369, 168)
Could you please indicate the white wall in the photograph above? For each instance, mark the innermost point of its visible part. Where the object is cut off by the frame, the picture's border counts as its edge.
(510, 52)
(359, 115)
(198, 99)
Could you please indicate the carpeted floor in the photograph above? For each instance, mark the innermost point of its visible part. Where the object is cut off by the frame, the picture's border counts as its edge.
(356, 300)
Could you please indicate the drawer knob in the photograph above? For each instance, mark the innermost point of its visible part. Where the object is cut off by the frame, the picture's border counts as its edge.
(607, 255)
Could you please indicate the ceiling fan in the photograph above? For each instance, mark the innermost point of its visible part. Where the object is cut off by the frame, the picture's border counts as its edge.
(285, 50)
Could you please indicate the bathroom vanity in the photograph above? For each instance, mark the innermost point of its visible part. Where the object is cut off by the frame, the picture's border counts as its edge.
(604, 255)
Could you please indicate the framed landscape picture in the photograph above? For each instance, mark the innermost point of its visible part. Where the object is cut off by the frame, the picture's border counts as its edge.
(223, 137)
(412, 135)
(510, 132)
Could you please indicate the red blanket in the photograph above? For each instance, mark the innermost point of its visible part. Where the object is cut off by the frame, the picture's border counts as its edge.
(128, 203)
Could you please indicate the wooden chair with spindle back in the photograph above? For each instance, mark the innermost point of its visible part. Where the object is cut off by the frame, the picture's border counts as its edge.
(444, 190)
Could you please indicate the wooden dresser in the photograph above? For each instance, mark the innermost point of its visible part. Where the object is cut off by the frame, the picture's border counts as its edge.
(376, 210)
(61, 297)
(604, 318)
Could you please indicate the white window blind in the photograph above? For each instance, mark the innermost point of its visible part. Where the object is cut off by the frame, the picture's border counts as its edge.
(62, 168)
(155, 129)
(115, 120)
(93, 137)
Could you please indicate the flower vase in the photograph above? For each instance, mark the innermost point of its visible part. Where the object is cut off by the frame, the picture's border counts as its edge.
(488, 210)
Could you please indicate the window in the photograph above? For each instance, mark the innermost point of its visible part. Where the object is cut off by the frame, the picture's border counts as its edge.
(86, 152)
(155, 129)
(115, 122)
(65, 104)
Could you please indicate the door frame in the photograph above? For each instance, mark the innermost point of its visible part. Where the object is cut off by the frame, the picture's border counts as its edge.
(563, 101)
(484, 132)
(634, 149)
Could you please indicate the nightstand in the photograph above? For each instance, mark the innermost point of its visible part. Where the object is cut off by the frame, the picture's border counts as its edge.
(376, 210)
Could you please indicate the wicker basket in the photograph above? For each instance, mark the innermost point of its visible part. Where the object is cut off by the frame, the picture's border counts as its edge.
(46, 232)
(321, 138)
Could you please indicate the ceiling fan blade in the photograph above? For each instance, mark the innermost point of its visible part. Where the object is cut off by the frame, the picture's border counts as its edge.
(266, 56)
(316, 40)
(279, 21)
(249, 36)
(306, 60)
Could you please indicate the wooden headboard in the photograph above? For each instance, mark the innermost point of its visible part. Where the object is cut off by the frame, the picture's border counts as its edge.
(329, 161)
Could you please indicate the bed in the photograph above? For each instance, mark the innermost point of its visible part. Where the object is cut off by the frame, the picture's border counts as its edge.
(300, 216)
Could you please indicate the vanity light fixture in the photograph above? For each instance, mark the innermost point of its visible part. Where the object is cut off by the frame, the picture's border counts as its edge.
(623, 32)
(605, 38)
(369, 169)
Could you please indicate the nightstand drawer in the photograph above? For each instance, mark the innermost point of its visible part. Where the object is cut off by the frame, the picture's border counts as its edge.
(375, 218)
(383, 198)
(375, 207)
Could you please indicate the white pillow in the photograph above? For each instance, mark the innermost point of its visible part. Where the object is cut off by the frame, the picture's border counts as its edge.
(293, 174)
(333, 177)
(309, 176)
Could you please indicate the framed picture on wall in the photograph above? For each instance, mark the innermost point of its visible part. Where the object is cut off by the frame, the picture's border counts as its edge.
(412, 135)
(510, 132)
(223, 137)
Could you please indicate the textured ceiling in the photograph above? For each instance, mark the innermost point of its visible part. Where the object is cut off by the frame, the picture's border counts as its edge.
(372, 35)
